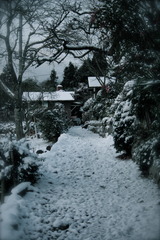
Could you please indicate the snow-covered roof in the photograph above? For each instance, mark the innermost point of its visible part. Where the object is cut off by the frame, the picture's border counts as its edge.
(98, 81)
(48, 96)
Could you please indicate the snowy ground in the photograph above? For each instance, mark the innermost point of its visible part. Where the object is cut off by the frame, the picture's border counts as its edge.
(85, 193)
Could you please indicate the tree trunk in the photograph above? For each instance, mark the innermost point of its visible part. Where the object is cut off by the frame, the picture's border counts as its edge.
(18, 114)
(18, 123)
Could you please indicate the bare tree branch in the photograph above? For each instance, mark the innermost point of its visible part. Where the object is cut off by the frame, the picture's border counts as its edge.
(83, 47)
(6, 90)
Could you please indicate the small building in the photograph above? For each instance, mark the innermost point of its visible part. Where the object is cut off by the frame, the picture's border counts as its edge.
(96, 83)
(48, 99)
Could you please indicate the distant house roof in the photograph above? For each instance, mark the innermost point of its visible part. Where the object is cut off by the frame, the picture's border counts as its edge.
(95, 82)
(58, 96)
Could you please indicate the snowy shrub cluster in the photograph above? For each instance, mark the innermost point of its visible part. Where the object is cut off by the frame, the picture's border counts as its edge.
(147, 98)
(53, 122)
(18, 165)
(87, 109)
(124, 119)
(142, 154)
(137, 124)
(98, 108)
(147, 155)
(6, 128)
(146, 150)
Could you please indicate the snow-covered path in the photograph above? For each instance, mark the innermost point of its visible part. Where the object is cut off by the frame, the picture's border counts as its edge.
(86, 193)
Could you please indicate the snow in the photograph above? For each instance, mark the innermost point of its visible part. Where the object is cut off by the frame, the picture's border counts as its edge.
(98, 82)
(85, 192)
(48, 96)
(21, 187)
(94, 82)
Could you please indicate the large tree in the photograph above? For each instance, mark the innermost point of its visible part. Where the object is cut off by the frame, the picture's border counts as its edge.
(30, 85)
(70, 77)
(51, 83)
(134, 35)
(126, 31)
(23, 37)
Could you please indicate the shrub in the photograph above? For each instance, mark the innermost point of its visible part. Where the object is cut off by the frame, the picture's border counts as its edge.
(53, 122)
(137, 125)
(147, 155)
(98, 108)
(124, 124)
(18, 165)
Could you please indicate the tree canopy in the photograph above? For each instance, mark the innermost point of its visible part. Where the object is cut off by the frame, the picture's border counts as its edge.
(70, 77)
(51, 83)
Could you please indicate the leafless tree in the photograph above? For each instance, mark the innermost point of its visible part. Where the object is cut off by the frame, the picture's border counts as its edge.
(79, 36)
(24, 39)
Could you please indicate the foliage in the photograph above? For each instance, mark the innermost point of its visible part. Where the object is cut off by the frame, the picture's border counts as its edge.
(70, 77)
(98, 108)
(53, 122)
(7, 105)
(137, 114)
(95, 66)
(147, 97)
(146, 153)
(54, 78)
(50, 84)
(84, 71)
(18, 164)
(30, 85)
(124, 120)
(132, 28)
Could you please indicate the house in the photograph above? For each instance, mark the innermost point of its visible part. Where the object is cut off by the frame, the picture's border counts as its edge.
(96, 83)
(48, 99)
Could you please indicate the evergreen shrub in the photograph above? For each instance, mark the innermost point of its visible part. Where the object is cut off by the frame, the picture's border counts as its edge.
(124, 124)
(18, 165)
(53, 122)
(137, 125)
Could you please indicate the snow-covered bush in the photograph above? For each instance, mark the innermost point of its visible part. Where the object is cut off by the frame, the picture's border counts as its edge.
(141, 153)
(147, 154)
(124, 123)
(137, 124)
(98, 108)
(147, 98)
(155, 168)
(18, 165)
(25, 163)
(53, 122)
(87, 110)
(146, 150)
(6, 128)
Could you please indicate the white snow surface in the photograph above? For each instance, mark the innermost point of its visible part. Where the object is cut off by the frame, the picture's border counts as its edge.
(97, 82)
(85, 193)
(48, 96)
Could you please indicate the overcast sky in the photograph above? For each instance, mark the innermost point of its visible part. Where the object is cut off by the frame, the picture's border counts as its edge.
(43, 72)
